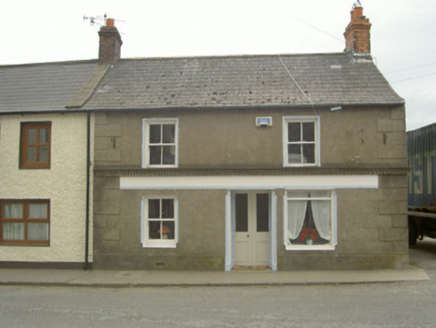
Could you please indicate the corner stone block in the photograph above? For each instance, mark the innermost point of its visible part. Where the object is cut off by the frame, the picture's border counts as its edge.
(112, 207)
(392, 207)
(384, 125)
(110, 130)
(399, 221)
(103, 143)
(398, 114)
(393, 181)
(392, 152)
(101, 119)
(393, 234)
(399, 126)
(112, 234)
(113, 155)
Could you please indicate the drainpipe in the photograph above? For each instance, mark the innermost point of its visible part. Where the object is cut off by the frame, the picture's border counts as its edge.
(88, 196)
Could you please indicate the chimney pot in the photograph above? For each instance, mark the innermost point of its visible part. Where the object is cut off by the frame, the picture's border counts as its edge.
(357, 34)
(110, 22)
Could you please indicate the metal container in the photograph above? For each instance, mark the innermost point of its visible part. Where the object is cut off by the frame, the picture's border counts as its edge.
(421, 146)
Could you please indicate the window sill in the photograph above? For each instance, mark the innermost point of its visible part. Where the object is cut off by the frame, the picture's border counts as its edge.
(310, 247)
(159, 245)
(15, 244)
(302, 165)
(160, 167)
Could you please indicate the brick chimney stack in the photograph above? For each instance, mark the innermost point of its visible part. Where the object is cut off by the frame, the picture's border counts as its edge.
(357, 34)
(110, 43)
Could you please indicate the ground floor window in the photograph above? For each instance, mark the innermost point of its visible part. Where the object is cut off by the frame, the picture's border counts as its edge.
(25, 222)
(159, 222)
(310, 219)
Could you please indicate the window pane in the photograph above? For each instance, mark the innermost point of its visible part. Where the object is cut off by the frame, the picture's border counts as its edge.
(309, 153)
(294, 132)
(241, 209)
(13, 211)
(262, 212)
(31, 154)
(167, 231)
(309, 131)
(31, 136)
(294, 154)
(154, 208)
(320, 193)
(169, 154)
(154, 229)
(37, 231)
(168, 208)
(155, 155)
(155, 133)
(43, 136)
(13, 231)
(321, 211)
(298, 194)
(43, 154)
(38, 211)
(169, 133)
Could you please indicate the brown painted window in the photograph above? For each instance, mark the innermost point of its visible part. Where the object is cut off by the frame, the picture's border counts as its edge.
(25, 222)
(35, 145)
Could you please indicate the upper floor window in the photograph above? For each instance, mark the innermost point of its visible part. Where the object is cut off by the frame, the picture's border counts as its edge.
(35, 145)
(301, 141)
(160, 139)
(25, 222)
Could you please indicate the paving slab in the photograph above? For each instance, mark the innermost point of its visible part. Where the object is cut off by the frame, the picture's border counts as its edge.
(117, 279)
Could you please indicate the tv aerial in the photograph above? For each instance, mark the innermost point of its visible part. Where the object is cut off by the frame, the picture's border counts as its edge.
(96, 20)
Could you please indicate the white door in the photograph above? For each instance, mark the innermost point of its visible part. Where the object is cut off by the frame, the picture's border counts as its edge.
(252, 229)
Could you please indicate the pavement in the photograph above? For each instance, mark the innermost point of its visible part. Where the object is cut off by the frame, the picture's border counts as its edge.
(123, 279)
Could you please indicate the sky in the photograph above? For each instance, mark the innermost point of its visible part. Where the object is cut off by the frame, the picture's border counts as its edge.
(403, 38)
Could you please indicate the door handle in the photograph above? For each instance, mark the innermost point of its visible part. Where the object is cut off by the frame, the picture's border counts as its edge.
(248, 236)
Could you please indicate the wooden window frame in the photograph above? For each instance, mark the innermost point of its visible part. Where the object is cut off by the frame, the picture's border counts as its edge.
(25, 220)
(24, 162)
(146, 145)
(145, 224)
(332, 199)
(316, 142)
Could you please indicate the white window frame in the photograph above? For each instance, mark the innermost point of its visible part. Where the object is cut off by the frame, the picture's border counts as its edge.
(302, 119)
(145, 141)
(333, 208)
(158, 243)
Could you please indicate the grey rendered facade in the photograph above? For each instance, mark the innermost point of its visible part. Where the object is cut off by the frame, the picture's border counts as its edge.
(221, 153)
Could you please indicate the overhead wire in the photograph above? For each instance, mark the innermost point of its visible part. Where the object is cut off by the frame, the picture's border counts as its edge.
(295, 81)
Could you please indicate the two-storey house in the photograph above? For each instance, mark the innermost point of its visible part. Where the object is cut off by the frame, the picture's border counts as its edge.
(45, 182)
(278, 161)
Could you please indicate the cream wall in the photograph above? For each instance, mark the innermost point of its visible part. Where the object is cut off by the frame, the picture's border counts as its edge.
(64, 184)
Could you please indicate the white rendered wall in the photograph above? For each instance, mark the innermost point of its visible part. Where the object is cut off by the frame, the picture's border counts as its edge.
(64, 184)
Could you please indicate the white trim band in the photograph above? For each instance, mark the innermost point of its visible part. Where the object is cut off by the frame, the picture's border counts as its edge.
(250, 182)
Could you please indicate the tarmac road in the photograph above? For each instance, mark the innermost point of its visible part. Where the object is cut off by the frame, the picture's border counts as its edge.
(403, 304)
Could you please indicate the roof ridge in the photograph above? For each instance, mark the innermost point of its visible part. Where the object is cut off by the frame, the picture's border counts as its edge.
(67, 62)
(233, 56)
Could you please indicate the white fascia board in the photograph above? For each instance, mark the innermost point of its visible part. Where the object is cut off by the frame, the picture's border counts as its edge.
(250, 182)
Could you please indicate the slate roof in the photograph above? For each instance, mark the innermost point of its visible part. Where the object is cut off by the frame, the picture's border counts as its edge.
(41, 87)
(242, 81)
(195, 82)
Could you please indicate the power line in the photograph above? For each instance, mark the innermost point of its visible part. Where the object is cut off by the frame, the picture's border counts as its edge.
(410, 68)
(307, 23)
(414, 78)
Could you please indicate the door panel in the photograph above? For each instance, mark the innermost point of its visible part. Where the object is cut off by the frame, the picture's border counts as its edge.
(252, 229)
